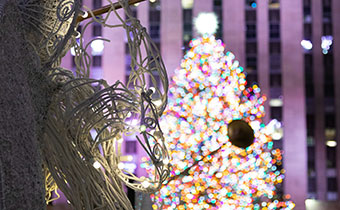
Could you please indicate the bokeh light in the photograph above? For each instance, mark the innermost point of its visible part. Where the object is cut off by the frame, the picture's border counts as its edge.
(208, 172)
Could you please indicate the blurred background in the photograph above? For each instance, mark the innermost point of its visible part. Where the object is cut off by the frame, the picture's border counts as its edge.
(291, 48)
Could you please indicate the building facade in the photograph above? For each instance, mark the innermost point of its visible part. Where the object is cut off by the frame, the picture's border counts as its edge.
(291, 48)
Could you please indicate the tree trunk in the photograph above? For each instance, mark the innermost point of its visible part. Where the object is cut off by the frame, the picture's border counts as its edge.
(21, 180)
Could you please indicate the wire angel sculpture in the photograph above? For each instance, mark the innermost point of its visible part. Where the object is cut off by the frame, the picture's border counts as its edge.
(71, 108)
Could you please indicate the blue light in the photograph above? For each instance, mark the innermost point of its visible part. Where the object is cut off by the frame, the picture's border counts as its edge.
(253, 5)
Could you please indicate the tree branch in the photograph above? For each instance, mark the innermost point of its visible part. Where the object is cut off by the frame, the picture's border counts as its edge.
(105, 9)
(186, 171)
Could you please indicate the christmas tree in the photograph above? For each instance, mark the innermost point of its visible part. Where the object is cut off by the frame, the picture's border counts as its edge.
(210, 110)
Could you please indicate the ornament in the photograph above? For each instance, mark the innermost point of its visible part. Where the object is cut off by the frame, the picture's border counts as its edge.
(240, 133)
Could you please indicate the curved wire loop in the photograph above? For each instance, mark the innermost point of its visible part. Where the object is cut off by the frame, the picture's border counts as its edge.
(86, 124)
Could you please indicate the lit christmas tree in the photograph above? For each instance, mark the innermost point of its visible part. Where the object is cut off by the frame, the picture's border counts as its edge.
(210, 110)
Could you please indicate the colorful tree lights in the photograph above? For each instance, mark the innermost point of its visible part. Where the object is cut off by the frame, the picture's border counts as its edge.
(208, 172)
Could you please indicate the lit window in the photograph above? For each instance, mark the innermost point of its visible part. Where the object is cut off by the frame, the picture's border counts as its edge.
(187, 4)
(331, 143)
(274, 4)
(306, 44)
(276, 102)
(326, 43)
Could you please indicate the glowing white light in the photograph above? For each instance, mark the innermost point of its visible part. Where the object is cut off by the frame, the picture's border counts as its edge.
(215, 107)
(121, 165)
(190, 196)
(157, 103)
(326, 42)
(152, 89)
(277, 102)
(187, 179)
(130, 167)
(206, 23)
(120, 140)
(73, 52)
(219, 175)
(78, 35)
(134, 122)
(166, 161)
(331, 143)
(205, 169)
(142, 128)
(277, 135)
(126, 158)
(96, 165)
(85, 14)
(307, 44)
(274, 129)
(145, 184)
(187, 4)
(310, 203)
(255, 125)
(152, 1)
(97, 47)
